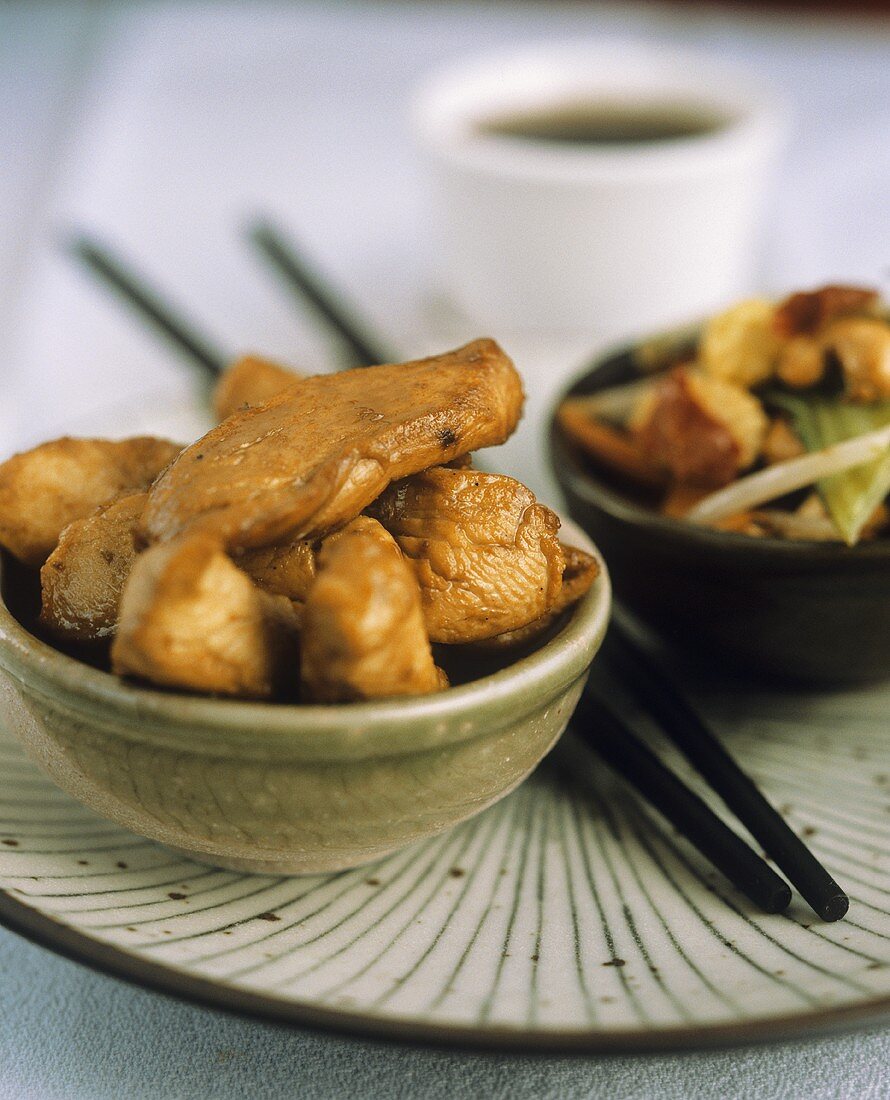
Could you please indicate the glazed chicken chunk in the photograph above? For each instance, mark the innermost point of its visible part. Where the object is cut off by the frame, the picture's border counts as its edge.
(801, 361)
(807, 312)
(45, 489)
(741, 345)
(581, 570)
(308, 461)
(756, 339)
(83, 578)
(483, 550)
(250, 381)
(285, 570)
(193, 620)
(364, 636)
(702, 429)
(842, 322)
(862, 347)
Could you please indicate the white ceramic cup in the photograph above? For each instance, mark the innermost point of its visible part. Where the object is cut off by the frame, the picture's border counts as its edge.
(608, 239)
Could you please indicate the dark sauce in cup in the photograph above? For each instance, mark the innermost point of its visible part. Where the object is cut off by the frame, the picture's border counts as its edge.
(607, 123)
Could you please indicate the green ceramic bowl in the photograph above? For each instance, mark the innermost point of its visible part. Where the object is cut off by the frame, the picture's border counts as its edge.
(291, 788)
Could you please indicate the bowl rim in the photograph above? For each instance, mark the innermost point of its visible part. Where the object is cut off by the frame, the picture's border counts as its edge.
(318, 732)
(575, 477)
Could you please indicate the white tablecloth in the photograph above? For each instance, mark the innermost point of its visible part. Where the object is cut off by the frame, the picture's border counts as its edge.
(162, 126)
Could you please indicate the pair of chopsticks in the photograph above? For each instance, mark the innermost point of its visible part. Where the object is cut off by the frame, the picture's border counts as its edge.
(595, 721)
(173, 326)
(647, 682)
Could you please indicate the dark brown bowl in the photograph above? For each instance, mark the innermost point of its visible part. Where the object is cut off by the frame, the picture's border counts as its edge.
(807, 611)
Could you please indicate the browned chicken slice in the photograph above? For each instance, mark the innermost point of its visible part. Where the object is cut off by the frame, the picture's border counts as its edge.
(286, 570)
(839, 322)
(581, 570)
(308, 461)
(45, 489)
(191, 619)
(83, 578)
(249, 381)
(364, 636)
(862, 347)
(802, 361)
(702, 429)
(484, 552)
(806, 312)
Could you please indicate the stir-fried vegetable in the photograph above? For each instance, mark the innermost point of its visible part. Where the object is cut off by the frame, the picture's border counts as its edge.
(766, 398)
(852, 495)
(785, 477)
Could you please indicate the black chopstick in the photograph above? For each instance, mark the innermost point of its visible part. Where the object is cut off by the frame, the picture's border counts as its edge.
(613, 740)
(291, 266)
(103, 262)
(686, 729)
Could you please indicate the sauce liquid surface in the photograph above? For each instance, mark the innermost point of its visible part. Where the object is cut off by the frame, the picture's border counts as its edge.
(607, 123)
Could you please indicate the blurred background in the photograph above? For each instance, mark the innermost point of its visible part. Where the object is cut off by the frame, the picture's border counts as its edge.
(164, 127)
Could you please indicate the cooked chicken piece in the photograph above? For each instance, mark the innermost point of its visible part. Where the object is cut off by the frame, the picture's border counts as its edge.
(250, 381)
(862, 347)
(781, 442)
(615, 449)
(756, 339)
(83, 578)
(705, 431)
(843, 320)
(581, 570)
(191, 619)
(802, 361)
(45, 489)
(364, 636)
(740, 344)
(807, 312)
(308, 461)
(484, 552)
(286, 570)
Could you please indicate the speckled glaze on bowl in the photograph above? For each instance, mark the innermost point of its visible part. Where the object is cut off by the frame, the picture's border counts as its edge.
(289, 788)
(811, 612)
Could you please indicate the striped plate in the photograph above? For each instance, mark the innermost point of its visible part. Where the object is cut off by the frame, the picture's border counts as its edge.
(565, 916)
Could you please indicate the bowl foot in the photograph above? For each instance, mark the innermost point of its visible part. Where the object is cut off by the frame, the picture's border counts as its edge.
(314, 865)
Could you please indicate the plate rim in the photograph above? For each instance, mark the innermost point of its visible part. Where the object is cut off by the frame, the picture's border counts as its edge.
(117, 962)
